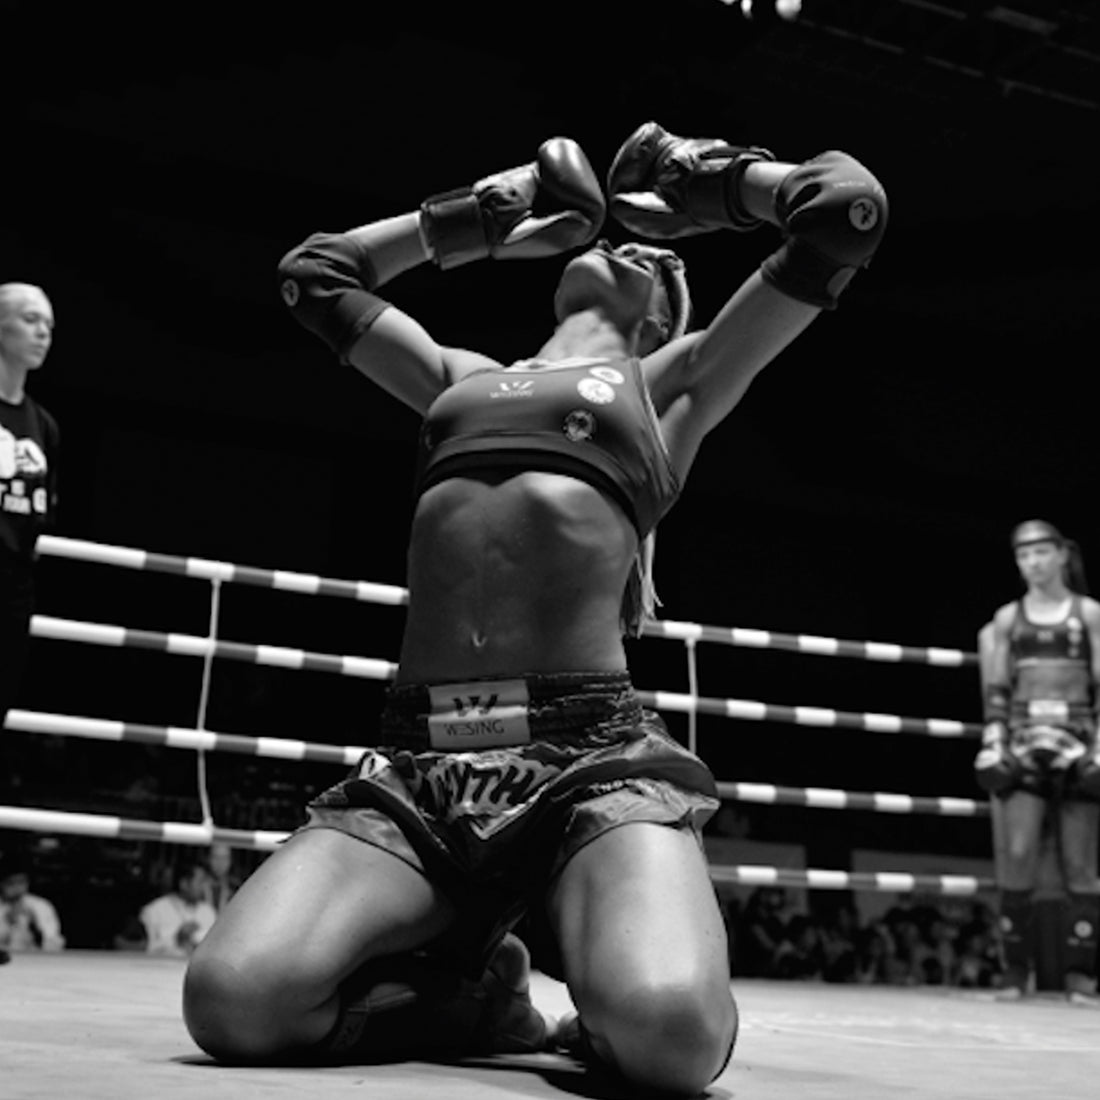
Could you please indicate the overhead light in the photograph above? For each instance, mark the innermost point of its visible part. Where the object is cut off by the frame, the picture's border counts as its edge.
(785, 9)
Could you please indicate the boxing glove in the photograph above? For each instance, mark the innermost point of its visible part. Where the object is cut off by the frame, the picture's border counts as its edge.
(539, 209)
(1049, 748)
(664, 186)
(1087, 771)
(995, 767)
(833, 213)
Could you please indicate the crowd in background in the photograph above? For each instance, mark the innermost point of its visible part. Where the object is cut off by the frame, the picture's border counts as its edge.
(180, 904)
(912, 943)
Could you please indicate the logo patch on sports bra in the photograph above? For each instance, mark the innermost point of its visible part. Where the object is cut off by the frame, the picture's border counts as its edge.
(485, 714)
(514, 389)
(579, 425)
(1076, 630)
(592, 389)
(608, 374)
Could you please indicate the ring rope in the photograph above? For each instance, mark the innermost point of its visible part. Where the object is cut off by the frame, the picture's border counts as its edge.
(189, 645)
(178, 832)
(811, 644)
(44, 626)
(98, 729)
(349, 755)
(311, 584)
(814, 879)
(807, 716)
(122, 828)
(204, 569)
(828, 799)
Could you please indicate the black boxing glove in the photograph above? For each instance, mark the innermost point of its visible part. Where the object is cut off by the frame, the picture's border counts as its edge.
(664, 186)
(1087, 770)
(539, 209)
(996, 768)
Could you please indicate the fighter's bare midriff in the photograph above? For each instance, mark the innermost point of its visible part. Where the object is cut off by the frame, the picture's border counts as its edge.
(512, 574)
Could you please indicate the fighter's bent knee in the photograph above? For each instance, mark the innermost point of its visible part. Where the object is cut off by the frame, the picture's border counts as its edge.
(227, 1015)
(670, 1041)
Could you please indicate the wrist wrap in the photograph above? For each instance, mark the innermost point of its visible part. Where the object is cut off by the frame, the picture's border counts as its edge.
(998, 699)
(454, 228)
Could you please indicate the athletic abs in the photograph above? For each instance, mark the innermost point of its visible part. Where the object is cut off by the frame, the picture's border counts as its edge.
(515, 574)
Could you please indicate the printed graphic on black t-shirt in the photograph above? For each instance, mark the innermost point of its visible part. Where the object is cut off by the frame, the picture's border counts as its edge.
(27, 438)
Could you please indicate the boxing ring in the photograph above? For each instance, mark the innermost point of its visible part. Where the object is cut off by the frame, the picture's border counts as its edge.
(90, 1024)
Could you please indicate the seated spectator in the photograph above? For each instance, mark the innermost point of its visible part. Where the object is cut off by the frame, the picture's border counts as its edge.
(910, 951)
(978, 965)
(940, 958)
(761, 931)
(876, 954)
(27, 922)
(838, 945)
(800, 955)
(175, 922)
(224, 881)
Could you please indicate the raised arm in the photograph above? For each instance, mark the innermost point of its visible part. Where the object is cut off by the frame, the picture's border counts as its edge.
(832, 213)
(328, 281)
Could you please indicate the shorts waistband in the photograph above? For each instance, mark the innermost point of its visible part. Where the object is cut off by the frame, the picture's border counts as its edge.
(557, 705)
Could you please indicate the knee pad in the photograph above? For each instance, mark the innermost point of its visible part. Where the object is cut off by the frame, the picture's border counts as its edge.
(325, 283)
(834, 213)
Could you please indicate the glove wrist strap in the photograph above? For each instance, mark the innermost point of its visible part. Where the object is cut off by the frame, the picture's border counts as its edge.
(997, 702)
(453, 228)
(708, 198)
(714, 197)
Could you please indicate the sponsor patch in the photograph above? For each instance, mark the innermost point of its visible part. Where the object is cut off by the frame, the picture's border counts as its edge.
(485, 714)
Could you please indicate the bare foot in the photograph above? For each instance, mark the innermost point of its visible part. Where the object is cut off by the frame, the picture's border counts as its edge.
(512, 1024)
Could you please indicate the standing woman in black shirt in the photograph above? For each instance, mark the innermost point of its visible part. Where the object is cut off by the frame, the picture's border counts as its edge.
(28, 472)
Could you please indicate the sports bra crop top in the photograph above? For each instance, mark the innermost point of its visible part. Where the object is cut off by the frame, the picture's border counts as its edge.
(591, 419)
(1053, 665)
(1064, 641)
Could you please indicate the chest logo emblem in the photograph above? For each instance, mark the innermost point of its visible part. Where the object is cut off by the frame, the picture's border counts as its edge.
(514, 389)
(592, 389)
(608, 374)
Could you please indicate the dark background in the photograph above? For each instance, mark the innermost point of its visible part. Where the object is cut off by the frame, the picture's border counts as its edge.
(158, 160)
